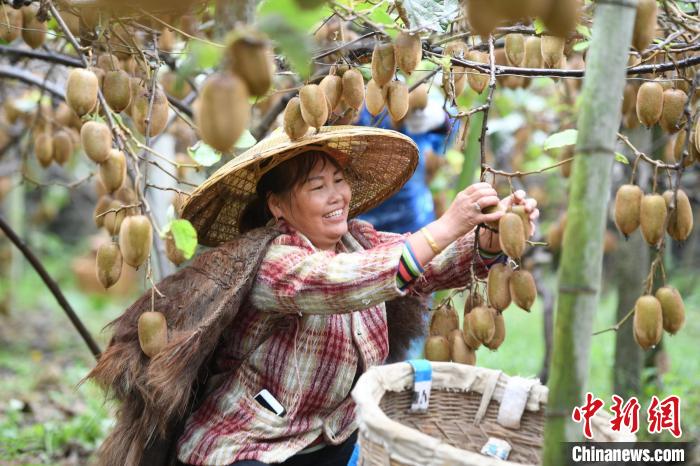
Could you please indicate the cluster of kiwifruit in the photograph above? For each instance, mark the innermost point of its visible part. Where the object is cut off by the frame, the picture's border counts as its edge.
(54, 133)
(663, 310)
(655, 102)
(23, 21)
(649, 212)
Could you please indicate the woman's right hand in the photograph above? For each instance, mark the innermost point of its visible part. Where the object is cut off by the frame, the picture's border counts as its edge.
(466, 210)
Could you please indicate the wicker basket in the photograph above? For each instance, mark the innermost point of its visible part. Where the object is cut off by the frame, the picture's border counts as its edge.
(462, 416)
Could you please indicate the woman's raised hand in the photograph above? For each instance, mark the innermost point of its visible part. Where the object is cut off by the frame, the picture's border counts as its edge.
(467, 209)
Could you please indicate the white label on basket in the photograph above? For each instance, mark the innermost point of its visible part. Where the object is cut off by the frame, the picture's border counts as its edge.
(496, 447)
(422, 382)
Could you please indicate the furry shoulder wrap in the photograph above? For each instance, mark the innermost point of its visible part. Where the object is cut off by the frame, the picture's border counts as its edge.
(200, 301)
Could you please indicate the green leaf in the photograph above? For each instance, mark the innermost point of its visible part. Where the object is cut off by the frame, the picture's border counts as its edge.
(581, 46)
(185, 237)
(434, 15)
(584, 30)
(621, 158)
(561, 139)
(303, 20)
(245, 141)
(539, 26)
(294, 43)
(204, 154)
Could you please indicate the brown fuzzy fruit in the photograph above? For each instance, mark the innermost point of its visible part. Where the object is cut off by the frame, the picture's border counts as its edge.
(674, 101)
(418, 97)
(96, 139)
(10, 23)
(408, 50)
(353, 89)
(159, 114)
(153, 333)
(251, 59)
(523, 289)
(81, 90)
(648, 321)
(374, 98)
(102, 206)
(680, 222)
(113, 170)
(43, 149)
(469, 338)
(112, 221)
(108, 62)
(481, 324)
(644, 24)
(478, 81)
(552, 48)
(224, 111)
(511, 235)
(629, 98)
(652, 215)
(443, 321)
(332, 87)
(383, 64)
(459, 351)
(135, 238)
(628, 201)
(500, 334)
(314, 106)
(650, 103)
(33, 30)
(498, 286)
(117, 90)
(294, 124)
(397, 99)
(520, 211)
(128, 197)
(533, 52)
(437, 348)
(561, 17)
(175, 255)
(62, 147)
(515, 49)
(672, 309)
(679, 148)
(174, 85)
(482, 16)
(109, 264)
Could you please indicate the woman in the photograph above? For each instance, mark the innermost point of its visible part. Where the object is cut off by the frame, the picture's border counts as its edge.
(314, 316)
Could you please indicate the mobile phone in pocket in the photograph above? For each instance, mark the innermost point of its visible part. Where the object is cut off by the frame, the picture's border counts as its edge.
(269, 402)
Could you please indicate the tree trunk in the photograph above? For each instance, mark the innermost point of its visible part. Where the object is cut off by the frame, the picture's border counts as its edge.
(582, 254)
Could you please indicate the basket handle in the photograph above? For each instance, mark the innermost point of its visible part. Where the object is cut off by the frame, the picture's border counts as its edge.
(489, 389)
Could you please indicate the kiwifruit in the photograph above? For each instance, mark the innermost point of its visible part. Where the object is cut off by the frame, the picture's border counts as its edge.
(374, 98)
(644, 24)
(679, 148)
(314, 106)
(103, 204)
(108, 62)
(511, 235)
(520, 210)
(472, 342)
(652, 215)
(33, 30)
(533, 52)
(629, 98)
(10, 23)
(459, 351)
(552, 48)
(628, 201)
(62, 147)
(174, 85)
(680, 221)
(481, 324)
(81, 90)
(159, 113)
(443, 321)
(492, 209)
(498, 286)
(523, 289)
(478, 81)
(135, 237)
(96, 139)
(100, 73)
(65, 116)
(112, 221)
(672, 308)
(408, 51)
(437, 348)
(294, 124)
(166, 40)
(561, 17)
(353, 89)
(500, 334)
(109, 264)
(224, 111)
(113, 170)
(473, 300)
(650, 102)
(153, 333)
(383, 64)
(515, 49)
(117, 89)
(397, 99)
(43, 149)
(457, 78)
(456, 49)
(648, 321)
(127, 196)
(175, 255)
(674, 101)
(251, 59)
(418, 97)
(332, 86)
(482, 16)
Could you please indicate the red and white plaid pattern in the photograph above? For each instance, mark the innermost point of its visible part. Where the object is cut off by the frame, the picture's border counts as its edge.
(335, 301)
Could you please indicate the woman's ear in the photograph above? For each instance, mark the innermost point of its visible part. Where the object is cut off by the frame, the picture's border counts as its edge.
(273, 204)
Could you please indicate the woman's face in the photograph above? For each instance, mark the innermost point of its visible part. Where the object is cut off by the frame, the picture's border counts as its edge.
(319, 207)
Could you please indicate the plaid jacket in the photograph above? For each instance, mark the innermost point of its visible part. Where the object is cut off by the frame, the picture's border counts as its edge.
(334, 303)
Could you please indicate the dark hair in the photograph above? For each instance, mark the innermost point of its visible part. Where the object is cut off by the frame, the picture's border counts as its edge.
(280, 181)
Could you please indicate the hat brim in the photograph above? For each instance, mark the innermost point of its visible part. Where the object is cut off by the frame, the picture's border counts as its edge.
(380, 160)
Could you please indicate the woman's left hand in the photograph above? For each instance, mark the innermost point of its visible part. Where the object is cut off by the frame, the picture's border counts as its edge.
(519, 198)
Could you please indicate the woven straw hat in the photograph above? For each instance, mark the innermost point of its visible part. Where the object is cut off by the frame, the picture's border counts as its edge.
(378, 162)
